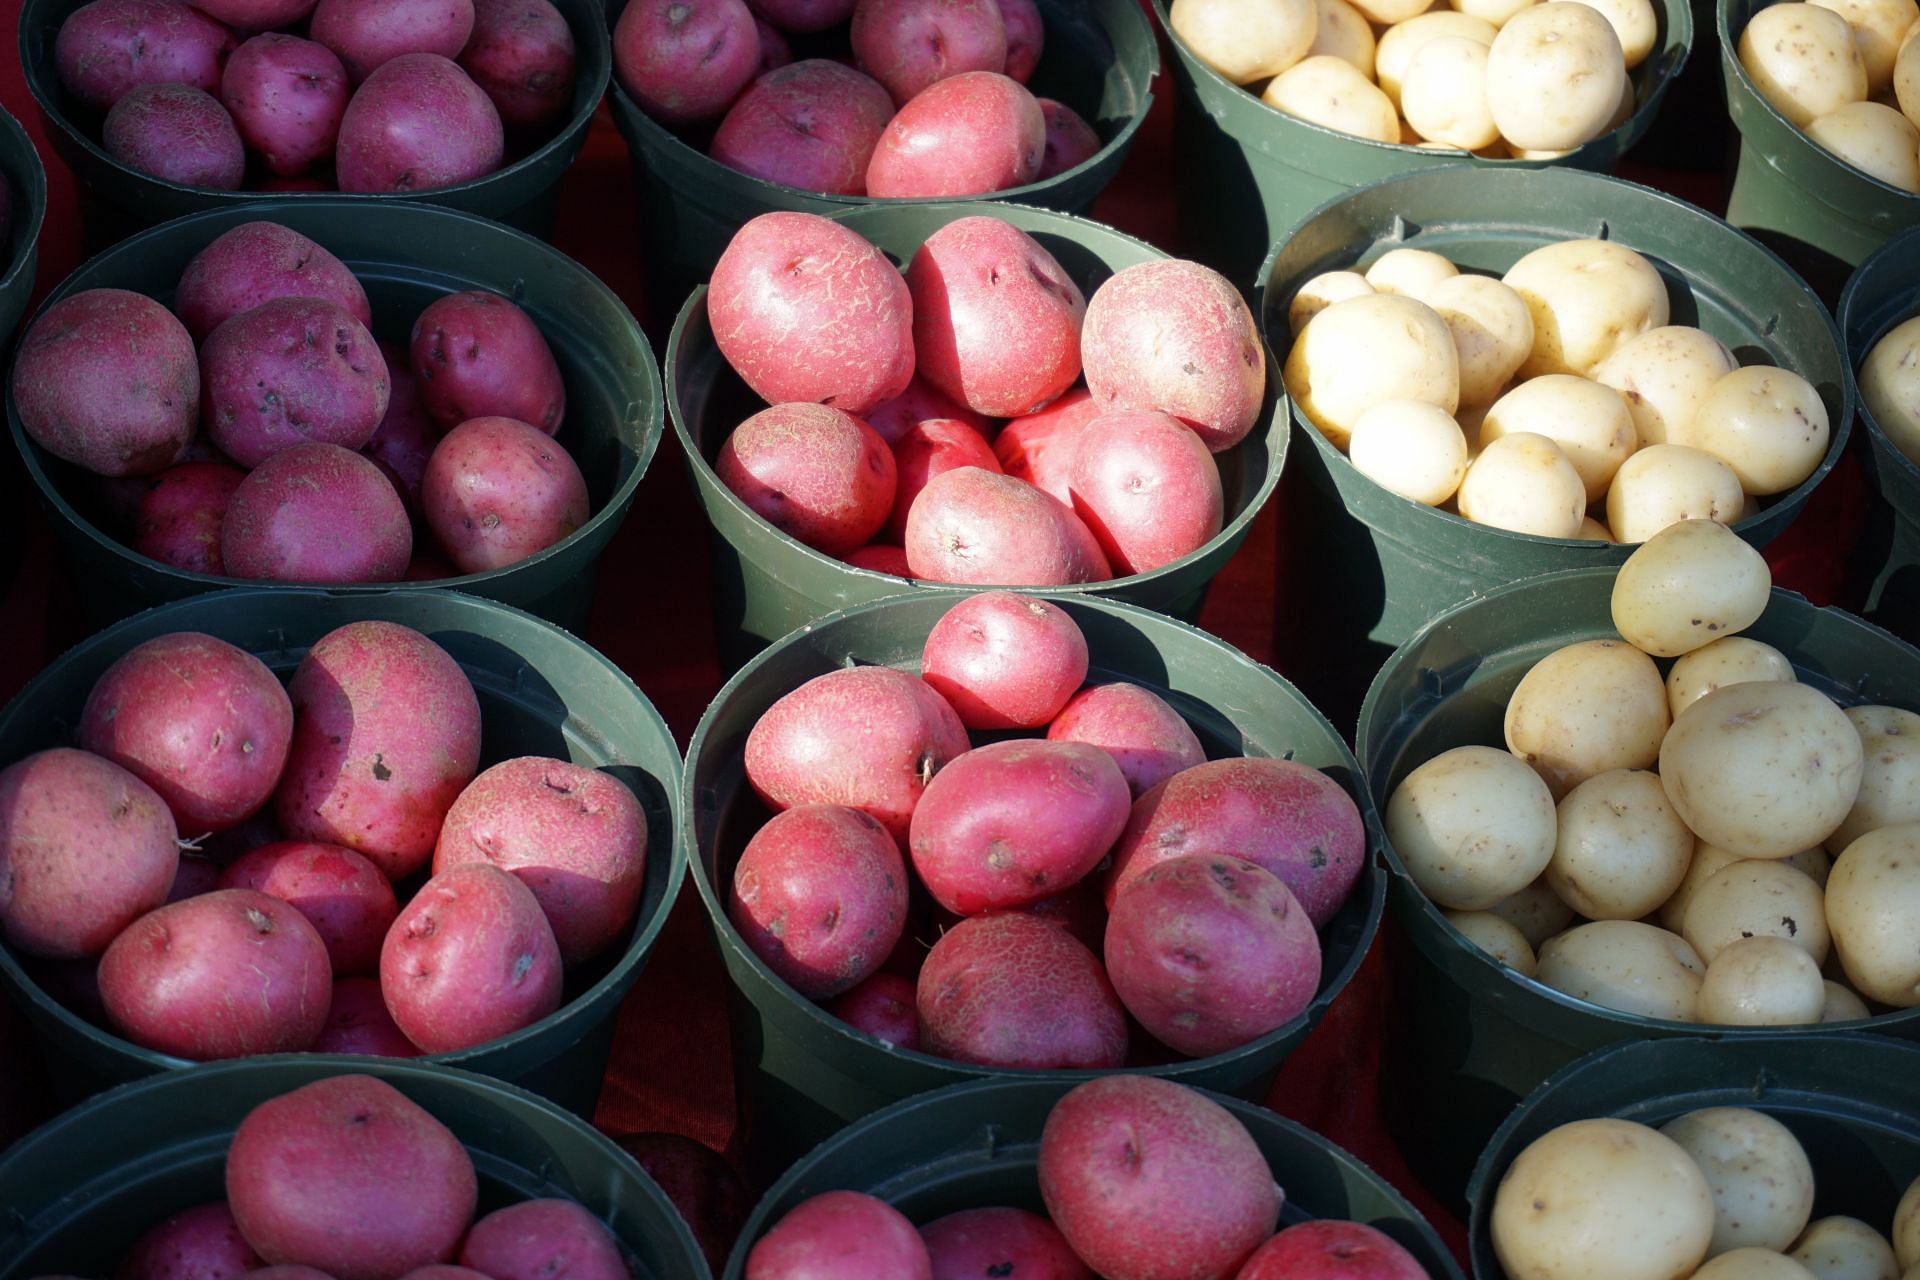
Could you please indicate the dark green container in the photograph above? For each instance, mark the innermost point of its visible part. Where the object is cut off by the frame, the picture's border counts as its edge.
(83, 1189)
(26, 183)
(977, 1146)
(1884, 292)
(1377, 566)
(800, 1072)
(541, 692)
(1853, 1101)
(1262, 170)
(524, 192)
(1470, 1037)
(406, 255)
(765, 583)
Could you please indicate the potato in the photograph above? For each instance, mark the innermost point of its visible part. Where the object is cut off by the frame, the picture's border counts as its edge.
(291, 371)
(367, 34)
(909, 45)
(1664, 374)
(1873, 908)
(176, 133)
(201, 1243)
(1906, 78)
(1009, 990)
(478, 355)
(1401, 41)
(1761, 1179)
(1071, 141)
(840, 1233)
(1147, 487)
(543, 1238)
(1413, 449)
(929, 448)
(1005, 661)
(1906, 1227)
(973, 1242)
(522, 56)
(1245, 40)
(1769, 425)
(881, 1007)
(1730, 660)
(1588, 421)
(358, 1022)
(811, 125)
(1803, 60)
(1688, 585)
(816, 473)
(685, 61)
(1026, 37)
(1753, 1264)
(1495, 936)
(1343, 32)
(1879, 28)
(1472, 826)
(1889, 777)
(1708, 861)
(1625, 966)
(1842, 1248)
(1762, 981)
(1842, 1005)
(1752, 898)
(1366, 350)
(1444, 93)
(1889, 377)
(179, 518)
(1592, 530)
(497, 491)
(1494, 12)
(417, 124)
(1588, 298)
(1663, 484)
(348, 901)
(316, 513)
(922, 402)
(108, 48)
(1524, 483)
(1602, 1200)
(286, 96)
(1039, 447)
(966, 135)
(1536, 911)
(1147, 738)
(1621, 850)
(1585, 709)
(1410, 272)
(255, 263)
(1492, 332)
(1873, 138)
(974, 527)
(1334, 94)
(1555, 73)
(1331, 1247)
(1634, 23)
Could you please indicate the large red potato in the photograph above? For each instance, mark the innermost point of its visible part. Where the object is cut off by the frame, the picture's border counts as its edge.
(86, 848)
(286, 96)
(1177, 337)
(255, 263)
(1147, 487)
(881, 1007)
(291, 371)
(1005, 661)
(522, 56)
(316, 513)
(1071, 141)
(840, 1235)
(965, 136)
(358, 1022)
(996, 321)
(537, 1239)
(109, 381)
(1146, 737)
(575, 836)
(176, 133)
(1026, 37)
(814, 472)
(799, 751)
(1149, 1180)
(346, 899)
(180, 514)
(926, 449)
(201, 1243)
(417, 124)
(222, 975)
(1330, 1249)
(1039, 447)
(350, 1176)
(921, 402)
(496, 491)
(205, 724)
(478, 355)
(702, 1186)
(109, 47)
(807, 310)
(685, 60)
(812, 125)
(976, 1243)
(1010, 990)
(803, 15)
(908, 45)
(972, 526)
(368, 34)
(386, 735)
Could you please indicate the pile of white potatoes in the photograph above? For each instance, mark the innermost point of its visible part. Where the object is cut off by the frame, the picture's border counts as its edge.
(1720, 1194)
(1779, 837)
(1889, 380)
(1847, 74)
(1501, 78)
(1555, 401)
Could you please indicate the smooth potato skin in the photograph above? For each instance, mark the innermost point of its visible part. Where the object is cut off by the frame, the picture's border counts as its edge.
(919, 403)
(417, 124)
(972, 526)
(1329, 1249)
(497, 491)
(840, 1235)
(881, 1007)
(522, 56)
(816, 473)
(685, 61)
(1005, 661)
(405, 439)
(201, 1243)
(1009, 990)
(316, 513)
(967, 135)
(180, 514)
(538, 1238)
(812, 125)
(1000, 1242)
(346, 899)
(1039, 447)
(1071, 141)
(286, 96)
(358, 1022)
(1147, 488)
(909, 45)
(478, 355)
(927, 449)
(109, 47)
(176, 133)
(255, 263)
(1146, 737)
(367, 34)
(291, 371)
(880, 558)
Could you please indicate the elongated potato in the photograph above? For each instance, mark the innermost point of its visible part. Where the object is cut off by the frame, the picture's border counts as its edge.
(1589, 298)
(1873, 138)
(1889, 774)
(1584, 710)
(1555, 74)
(1803, 60)
(1472, 826)
(1625, 966)
(1334, 94)
(1588, 421)
(1873, 908)
(1731, 660)
(1492, 333)
(1368, 350)
(1524, 483)
(1664, 374)
(1686, 586)
(1890, 376)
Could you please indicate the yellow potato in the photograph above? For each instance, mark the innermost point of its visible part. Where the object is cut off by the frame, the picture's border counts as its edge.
(1757, 897)
(1753, 1264)
(1410, 448)
(1843, 1248)
(1768, 424)
(1588, 298)
(1761, 1179)
(1332, 93)
(1621, 850)
(1842, 1005)
(1410, 272)
(1626, 966)
(1602, 1200)
(1589, 422)
(1536, 911)
(1802, 59)
(1472, 826)
(1399, 43)
(1443, 93)
(1246, 40)
(1708, 861)
(1890, 375)
(1344, 33)
(1878, 28)
(1634, 23)
(1906, 1227)
(1587, 709)
(1321, 292)
(1524, 483)
(1368, 350)
(1492, 333)
(1889, 773)
(1906, 78)
(1762, 981)
(1494, 12)
(1496, 937)
(1873, 138)
(1688, 585)
(1732, 660)
(1555, 75)
(1664, 484)
(1873, 908)
(1664, 374)
(1592, 530)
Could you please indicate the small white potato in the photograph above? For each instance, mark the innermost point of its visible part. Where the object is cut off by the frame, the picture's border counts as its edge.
(1879, 26)
(1554, 75)
(1592, 530)
(1890, 375)
(1586, 709)
(1496, 937)
(1753, 1264)
(1443, 93)
(1906, 1227)
(1495, 12)
(1472, 826)
(1843, 1248)
(1525, 484)
(1761, 981)
(1761, 1178)
(1246, 40)
(1802, 59)
(1768, 424)
(1343, 33)
(1873, 908)
(1589, 422)
(1588, 298)
(1688, 585)
(1332, 93)
(1663, 484)
(1368, 350)
(1875, 139)
(1664, 374)
(1536, 911)
(1634, 23)
(1729, 660)
(1321, 292)
(1602, 1200)
(1708, 860)
(1906, 78)
(1411, 448)
(1399, 43)
(1753, 898)
(1622, 850)
(1625, 966)
(1409, 272)
(1889, 773)
(1492, 333)
(1842, 1005)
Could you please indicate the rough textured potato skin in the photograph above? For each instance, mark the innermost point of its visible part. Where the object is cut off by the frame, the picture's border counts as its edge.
(176, 133)
(417, 124)
(1009, 990)
(521, 54)
(180, 514)
(109, 47)
(201, 1243)
(316, 513)
(291, 371)
(538, 1238)
(814, 472)
(346, 899)
(368, 34)
(257, 262)
(477, 355)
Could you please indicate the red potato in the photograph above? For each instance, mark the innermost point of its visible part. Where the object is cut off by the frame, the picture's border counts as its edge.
(974, 527)
(881, 1007)
(908, 45)
(685, 61)
(880, 558)
(840, 1235)
(443, 1271)
(406, 436)
(774, 52)
(286, 96)
(176, 133)
(1009, 990)
(223, 975)
(1005, 661)
(927, 449)
(965, 136)
(386, 735)
(497, 491)
(1026, 38)
(701, 1184)
(291, 371)
(201, 1243)
(194, 877)
(109, 380)
(179, 518)
(1039, 446)
(477, 355)
(109, 47)
(1071, 141)
(350, 1176)
(921, 402)
(358, 1022)
(316, 513)
(522, 55)
(816, 473)
(255, 263)
(1329, 1249)
(807, 310)
(289, 1272)
(1149, 1180)
(1147, 487)
(1147, 738)
(86, 848)
(820, 895)
(999, 1242)
(1176, 336)
(803, 15)
(368, 34)
(536, 1239)
(812, 125)
(346, 899)
(575, 836)
(418, 123)
(205, 724)
(256, 15)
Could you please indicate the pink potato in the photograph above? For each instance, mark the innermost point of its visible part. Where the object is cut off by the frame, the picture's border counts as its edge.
(109, 47)
(1330, 1249)
(1147, 487)
(406, 436)
(201, 1243)
(973, 527)
(975, 1243)
(386, 735)
(316, 513)
(291, 371)
(286, 96)
(418, 123)
(176, 133)
(477, 355)
(179, 518)
(255, 263)
(803, 15)
(346, 899)
(194, 877)
(1008, 990)
(996, 321)
(86, 848)
(1039, 447)
(840, 1235)
(358, 1022)
(522, 56)
(811, 125)
(1176, 336)
(256, 15)
(109, 380)
(685, 61)
(575, 836)
(881, 1007)
(702, 1186)
(497, 491)
(807, 310)
(908, 45)
(350, 1176)
(204, 723)
(222, 975)
(799, 751)
(1151, 1180)
(1026, 38)
(929, 448)
(537, 1239)
(1147, 738)
(816, 473)
(1005, 661)
(920, 402)
(820, 895)
(470, 959)
(1071, 141)
(880, 558)
(774, 52)
(368, 34)
(966, 136)
(1292, 820)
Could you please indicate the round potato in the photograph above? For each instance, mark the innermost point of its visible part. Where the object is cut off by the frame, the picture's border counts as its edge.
(1245, 40)
(1334, 94)
(1688, 585)
(1389, 13)
(1588, 298)
(1584, 710)
(1873, 908)
(1633, 22)
(1555, 74)
(1729, 660)
(1588, 421)
(1879, 29)
(1626, 966)
(1399, 43)
(1366, 350)
(1815, 864)
(1343, 32)
(1873, 138)
(1321, 292)
(1472, 826)
(1443, 93)
(1411, 272)
(1889, 774)
(1414, 449)
(1843, 1248)
(1664, 484)
(1889, 378)
(1621, 850)
(1664, 374)
(1803, 60)
(1768, 424)
(1524, 483)
(1492, 332)
(1761, 1179)
(1842, 1005)
(1495, 936)
(1762, 981)
(1536, 911)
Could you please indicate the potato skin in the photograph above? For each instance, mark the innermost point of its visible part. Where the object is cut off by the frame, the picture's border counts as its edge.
(1071, 141)
(1305, 1248)
(417, 123)
(176, 133)
(109, 47)
(1040, 446)
(367, 34)
(497, 491)
(812, 125)
(1146, 737)
(966, 135)
(346, 899)
(536, 1238)
(1008, 990)
(286, 96)
(910, 45)
(844, 1234)
(477, 355)
(971, 526)
(881, 1007)
(291, 371)
(201, 1243)
(316, 513)
(180, 514)
(685, 60)
(358, 1022)
(1147, 488)
(522, 56)
(1000, 1241)
(816, 473)
(1005, 661)
(255, 263)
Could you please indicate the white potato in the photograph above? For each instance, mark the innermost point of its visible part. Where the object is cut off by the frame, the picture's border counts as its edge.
(1332, 93)
(1321, 292)
(1761, 1179)
(1688, 585)
(1409, 272)
(1802, 59)
(1472, 826)
(1536, 911)
(1368, 350)
(1588, 298)
(1890, 375)
(1768, 424)
(1343, 33)
(1843, 1248)
(1757, 897)
(1906, 78)
(1621, 850)
(1555, 75)
(1592, 530)
(1889, 773)
(1586, 709)
(1634, 23)
(1664, 374)
(1492, 333)
(1246, 40)
(1879, 26)
(1873, 138)
(1729, 660)
(1708, 861)
(1443, 93)
(1753, 1264)
(1762, 981)
(1399, 43)
(1873, 908)
(1663, 484)
(1602, 1200)
(1524, 483)
(1906, 1227)
(1493, 12)
(1496, 937)
(1589, 422)
(1411, 448)
(1842, 1005)
(1626, 966)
